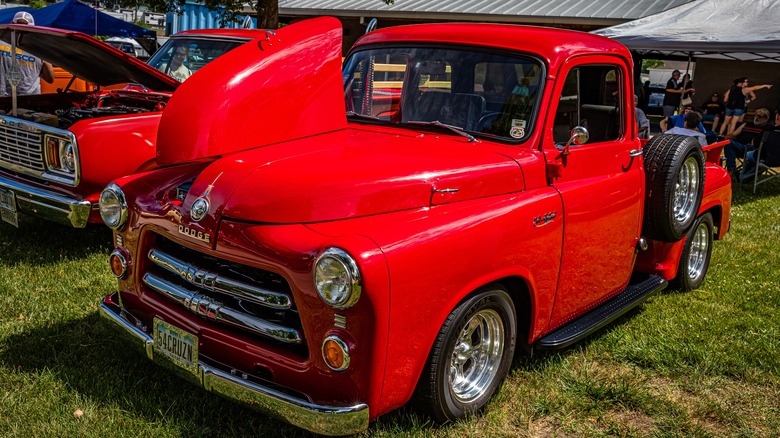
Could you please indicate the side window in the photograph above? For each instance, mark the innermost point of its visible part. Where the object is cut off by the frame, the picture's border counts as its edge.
(591, 98)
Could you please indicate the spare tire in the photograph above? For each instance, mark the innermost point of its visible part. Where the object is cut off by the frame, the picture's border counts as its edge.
(674, 182)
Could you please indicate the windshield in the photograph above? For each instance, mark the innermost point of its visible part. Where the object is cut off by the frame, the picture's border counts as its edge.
(479, 92)
(181, 57)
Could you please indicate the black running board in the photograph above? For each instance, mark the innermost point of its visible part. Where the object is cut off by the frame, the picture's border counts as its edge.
(597, 318)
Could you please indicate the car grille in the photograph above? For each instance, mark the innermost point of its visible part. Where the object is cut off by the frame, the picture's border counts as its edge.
(241, 297)
(21, 148)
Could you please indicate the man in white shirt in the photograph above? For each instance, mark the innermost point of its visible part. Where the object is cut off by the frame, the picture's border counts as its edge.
(692, 120)
(30, 69)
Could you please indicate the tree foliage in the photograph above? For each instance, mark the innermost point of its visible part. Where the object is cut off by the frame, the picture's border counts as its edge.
(228, 11)
(651, 63)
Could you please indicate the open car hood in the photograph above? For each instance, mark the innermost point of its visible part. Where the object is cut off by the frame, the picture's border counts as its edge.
(86, 57)
(280, 88)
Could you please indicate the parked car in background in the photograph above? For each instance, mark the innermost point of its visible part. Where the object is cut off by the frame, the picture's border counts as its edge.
(200, 46)
(128, 45)
(324, 244)
(98, 122)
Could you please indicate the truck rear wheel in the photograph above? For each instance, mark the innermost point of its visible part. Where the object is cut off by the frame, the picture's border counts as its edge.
(674, 176)
(470, 357)
(696, 255)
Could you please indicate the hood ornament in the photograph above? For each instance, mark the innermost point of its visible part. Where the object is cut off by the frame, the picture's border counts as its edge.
(199, 209)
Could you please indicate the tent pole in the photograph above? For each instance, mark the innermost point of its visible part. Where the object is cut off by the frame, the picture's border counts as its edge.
(685, 82)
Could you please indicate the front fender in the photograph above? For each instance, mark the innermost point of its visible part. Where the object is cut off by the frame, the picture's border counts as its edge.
(111, 148)
(437, 256)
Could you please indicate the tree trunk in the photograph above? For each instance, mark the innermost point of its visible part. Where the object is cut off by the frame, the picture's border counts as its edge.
(267, 14)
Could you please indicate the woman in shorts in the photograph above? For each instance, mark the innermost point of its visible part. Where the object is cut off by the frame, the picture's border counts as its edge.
(735, 103)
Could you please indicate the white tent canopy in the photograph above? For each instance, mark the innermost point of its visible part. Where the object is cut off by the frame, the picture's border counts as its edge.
(724, 29)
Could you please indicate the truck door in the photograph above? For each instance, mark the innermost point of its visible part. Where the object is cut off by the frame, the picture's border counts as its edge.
(600, 181)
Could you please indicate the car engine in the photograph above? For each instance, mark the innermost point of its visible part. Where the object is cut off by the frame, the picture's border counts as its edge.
(65, 109)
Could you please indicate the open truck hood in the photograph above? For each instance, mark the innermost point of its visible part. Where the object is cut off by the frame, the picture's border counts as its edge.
(284, 87)
(86, 57)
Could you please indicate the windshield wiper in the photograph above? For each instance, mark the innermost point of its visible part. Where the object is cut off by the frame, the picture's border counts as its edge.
(362, 116)
(456, 129)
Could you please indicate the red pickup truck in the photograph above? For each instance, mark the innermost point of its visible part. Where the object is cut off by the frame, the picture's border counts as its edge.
(327, 244)
(59, 150)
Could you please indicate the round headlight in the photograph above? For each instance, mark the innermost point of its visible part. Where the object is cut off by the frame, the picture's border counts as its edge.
(337, 278)
(69, 158)
(113, 206)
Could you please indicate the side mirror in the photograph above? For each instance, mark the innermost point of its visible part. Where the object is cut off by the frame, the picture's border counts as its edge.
(371, 25)
(579, 135)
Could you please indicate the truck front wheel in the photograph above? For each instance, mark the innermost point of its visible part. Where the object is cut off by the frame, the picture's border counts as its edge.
(674, 174)
(696, 255)
(471, 355)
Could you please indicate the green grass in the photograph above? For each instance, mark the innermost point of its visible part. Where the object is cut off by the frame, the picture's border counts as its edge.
(703, 363)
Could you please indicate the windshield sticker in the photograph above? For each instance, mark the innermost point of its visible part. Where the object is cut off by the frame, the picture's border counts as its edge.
(518, 123)
(517, 132)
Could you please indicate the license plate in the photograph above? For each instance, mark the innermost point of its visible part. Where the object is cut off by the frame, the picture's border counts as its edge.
(8, 207)
(176, 344)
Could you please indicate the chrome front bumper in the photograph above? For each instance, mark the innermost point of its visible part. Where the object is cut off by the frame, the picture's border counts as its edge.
(325, 420)
(48, 205)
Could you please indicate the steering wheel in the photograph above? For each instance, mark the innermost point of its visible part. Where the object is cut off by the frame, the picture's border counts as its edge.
(486, 120)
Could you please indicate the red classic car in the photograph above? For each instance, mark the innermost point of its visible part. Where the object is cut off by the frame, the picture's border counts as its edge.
(58, 150)
(324, 244)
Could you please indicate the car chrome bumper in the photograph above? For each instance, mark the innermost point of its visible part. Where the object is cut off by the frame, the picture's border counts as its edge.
(325, 420)
(48, 205)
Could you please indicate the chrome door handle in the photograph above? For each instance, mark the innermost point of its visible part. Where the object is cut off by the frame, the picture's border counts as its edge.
(635, 152)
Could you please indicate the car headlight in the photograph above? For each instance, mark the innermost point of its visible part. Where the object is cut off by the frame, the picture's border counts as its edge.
(337, 278)
(113, 206)
(60, 154)
(69, 158)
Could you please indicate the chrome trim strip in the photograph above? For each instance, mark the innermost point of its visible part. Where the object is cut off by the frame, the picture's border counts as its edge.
(321, 419)
(206, 307)
(48, 205)
(214, 282)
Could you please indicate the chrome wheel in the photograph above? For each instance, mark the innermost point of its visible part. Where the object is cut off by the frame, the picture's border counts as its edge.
(686, 190)
(477, 355)
(699, 251)
(696, 254)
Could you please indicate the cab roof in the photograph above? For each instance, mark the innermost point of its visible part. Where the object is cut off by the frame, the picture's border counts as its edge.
(552, 45)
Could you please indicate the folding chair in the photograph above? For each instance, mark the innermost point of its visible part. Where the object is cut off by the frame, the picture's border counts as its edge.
(767, 159)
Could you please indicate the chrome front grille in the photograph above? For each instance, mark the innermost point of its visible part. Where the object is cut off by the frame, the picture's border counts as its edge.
(22, 148)
(241, 297)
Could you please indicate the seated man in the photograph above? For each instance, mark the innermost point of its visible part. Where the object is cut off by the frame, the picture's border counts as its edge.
(176, 69)
(643, 123)
(749, 169)
(712, 111)
(692, 120)
(679, 120)
(745, 138)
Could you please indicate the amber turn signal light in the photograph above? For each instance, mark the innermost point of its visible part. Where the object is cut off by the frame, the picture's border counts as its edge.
(53, 152)
(118, 263)
(336, 353)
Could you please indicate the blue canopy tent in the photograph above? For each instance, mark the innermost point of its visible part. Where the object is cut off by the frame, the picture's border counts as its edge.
(73, 15)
